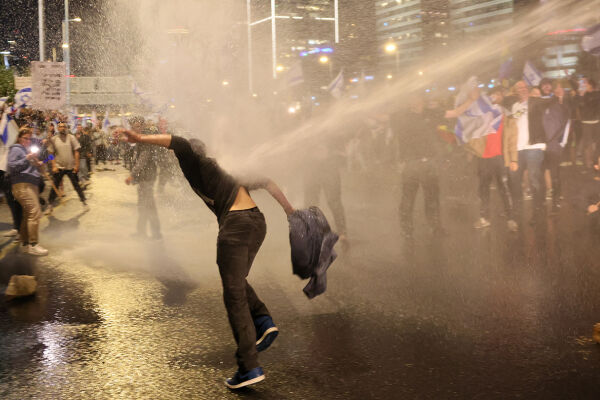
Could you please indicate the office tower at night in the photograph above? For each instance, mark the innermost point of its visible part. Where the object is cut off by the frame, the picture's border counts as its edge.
(284, 33)
(409, 30)
(479, 17)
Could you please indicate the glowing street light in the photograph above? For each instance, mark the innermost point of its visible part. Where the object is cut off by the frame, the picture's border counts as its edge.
(389, 76)
(420, 73)
(324, 59)
(279, 68)
(225, 83)
(392, 48)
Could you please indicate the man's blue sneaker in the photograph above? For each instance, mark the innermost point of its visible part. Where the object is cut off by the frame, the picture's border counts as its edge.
(251, 377)
(266, 332)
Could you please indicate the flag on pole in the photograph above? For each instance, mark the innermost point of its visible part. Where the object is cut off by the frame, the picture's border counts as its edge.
(531, 75)
(23, 98)
(106, 122)
(8, 129)
(295, 75)
(94, 118)
(591, 40)
(481, 118)
(337, 85)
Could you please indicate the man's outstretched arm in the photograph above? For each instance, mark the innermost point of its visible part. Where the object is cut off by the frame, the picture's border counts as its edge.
(163, 140)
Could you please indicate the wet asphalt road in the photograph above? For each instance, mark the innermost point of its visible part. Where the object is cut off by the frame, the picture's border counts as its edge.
(472, 315)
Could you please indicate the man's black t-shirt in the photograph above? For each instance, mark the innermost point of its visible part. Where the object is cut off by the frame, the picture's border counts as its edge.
(417, 135)
(217, 188)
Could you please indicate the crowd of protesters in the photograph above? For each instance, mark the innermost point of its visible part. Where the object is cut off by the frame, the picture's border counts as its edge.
(541, 129)
(48, 147)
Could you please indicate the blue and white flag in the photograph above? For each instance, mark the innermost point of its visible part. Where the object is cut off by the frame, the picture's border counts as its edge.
(591, 40)
(8, 129)
(23, 98)
(481, 118)
(295, 75)
(106, 122)
(73, 119)
(531, 75)
(337, 85)
(94, 118)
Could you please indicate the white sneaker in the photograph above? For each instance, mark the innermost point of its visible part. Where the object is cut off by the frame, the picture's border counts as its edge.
(482, 223)
(37, 250)
(512, 225)
(11, 233)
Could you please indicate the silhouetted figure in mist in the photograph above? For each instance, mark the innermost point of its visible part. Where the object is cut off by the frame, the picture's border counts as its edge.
(143, 174)
(420, 153)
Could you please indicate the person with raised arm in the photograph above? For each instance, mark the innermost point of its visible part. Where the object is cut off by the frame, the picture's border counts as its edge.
(242, 230)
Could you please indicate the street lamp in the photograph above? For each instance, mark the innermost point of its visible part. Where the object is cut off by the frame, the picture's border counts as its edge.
(67, 49)
(392, 48)
(325, 60)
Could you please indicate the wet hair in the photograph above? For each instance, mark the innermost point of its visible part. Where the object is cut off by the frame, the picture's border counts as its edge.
(24, 130)
(545, 81)
(198, 146)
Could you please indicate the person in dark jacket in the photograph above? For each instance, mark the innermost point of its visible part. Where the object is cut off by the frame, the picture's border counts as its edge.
(556, 125)
(589, 106)
(242, 230)
(143, 174)
(23, 167)
(420, 152)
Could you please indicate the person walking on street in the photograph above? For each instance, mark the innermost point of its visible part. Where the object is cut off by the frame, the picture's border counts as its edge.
(65, 148)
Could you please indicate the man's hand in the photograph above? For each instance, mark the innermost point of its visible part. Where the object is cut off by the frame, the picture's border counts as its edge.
(127, 135)
(592, 208)
(75, 169)
(514, 166)
(55, 170)
(31, 156)
(129, 180)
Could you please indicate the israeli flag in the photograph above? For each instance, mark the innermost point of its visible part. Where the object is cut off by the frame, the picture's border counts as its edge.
(73, 119)
(337, 85)
(481, 118)
(8, 129)
(591, 40)
(23, 98)
(106, 122)
(531, 75)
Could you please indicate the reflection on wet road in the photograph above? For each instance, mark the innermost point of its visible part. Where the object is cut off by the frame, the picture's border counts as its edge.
(471, 315)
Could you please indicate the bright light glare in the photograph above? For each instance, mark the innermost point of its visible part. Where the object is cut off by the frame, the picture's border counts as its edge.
(324, 59)
(292, 110)
(35, 149)
(391, 48)
(389, 76)
(65, 45)
(279, 68)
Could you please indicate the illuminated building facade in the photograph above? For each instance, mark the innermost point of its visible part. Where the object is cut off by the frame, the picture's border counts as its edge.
(408, 30)
(282, 33)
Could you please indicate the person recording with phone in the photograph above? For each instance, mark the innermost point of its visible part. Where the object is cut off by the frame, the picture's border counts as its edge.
(23, 168)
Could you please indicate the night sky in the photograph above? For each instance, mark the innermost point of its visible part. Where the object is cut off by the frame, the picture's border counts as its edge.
(19, 22)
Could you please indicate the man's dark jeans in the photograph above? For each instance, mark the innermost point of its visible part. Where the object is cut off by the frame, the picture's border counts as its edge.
(240, 235)
(490, 169)
(58, 177)
(552, 164)
(531, 160)
(422, 173)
